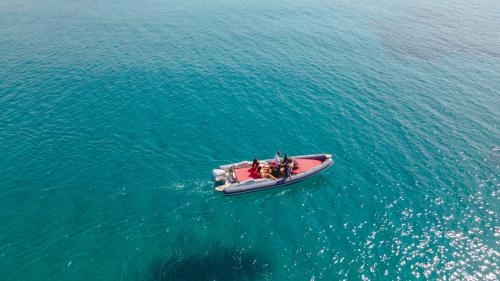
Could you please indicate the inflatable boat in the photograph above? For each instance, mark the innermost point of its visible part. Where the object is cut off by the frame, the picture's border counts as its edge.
(242, 178)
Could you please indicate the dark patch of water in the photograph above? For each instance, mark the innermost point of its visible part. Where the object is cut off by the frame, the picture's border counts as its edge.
(220, 264)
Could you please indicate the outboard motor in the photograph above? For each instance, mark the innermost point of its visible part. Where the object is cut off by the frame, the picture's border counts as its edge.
(219, 176)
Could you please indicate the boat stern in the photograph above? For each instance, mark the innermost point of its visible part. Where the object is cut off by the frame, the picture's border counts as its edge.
(221, 179)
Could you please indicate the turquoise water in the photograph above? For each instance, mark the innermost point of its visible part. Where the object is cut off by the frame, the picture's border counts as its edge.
(113, 113)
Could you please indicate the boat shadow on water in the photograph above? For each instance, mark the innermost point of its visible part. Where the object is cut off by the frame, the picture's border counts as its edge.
(314, 184)
(222, 264)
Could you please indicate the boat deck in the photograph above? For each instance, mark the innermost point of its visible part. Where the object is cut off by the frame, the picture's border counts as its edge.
(303, 164)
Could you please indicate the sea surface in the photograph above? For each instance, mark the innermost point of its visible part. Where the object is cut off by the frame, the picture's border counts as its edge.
(113, 114)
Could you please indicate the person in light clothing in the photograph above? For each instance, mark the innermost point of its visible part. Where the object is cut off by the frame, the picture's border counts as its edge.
(264, 172)
(277, 163)
(277, 160)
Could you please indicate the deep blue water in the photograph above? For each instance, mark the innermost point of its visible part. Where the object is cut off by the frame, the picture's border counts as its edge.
(113, 113)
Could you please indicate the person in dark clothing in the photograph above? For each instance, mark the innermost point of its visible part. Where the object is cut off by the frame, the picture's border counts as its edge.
(287, 166)
(284, 166)
(286, 162)
(255, 164)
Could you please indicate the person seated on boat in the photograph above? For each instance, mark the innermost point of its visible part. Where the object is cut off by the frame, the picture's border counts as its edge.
(275, 171)
(255, 164)
(265, 172)
(285, 159)
(277, 160)
(287, 166)
(277, 164)
(284, 166)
